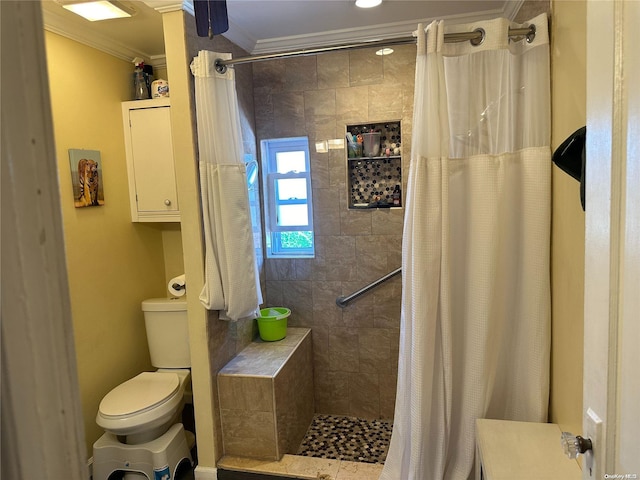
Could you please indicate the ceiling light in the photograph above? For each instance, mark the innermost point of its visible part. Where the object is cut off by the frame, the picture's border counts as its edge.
(368, 3)
(384, 51)
(100, 10)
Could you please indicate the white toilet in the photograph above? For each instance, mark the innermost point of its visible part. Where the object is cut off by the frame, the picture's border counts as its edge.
(141, 417)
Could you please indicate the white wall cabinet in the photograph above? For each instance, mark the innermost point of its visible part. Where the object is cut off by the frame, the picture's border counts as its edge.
(150, 164)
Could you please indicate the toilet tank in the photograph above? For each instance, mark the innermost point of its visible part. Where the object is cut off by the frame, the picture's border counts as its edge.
(167, 332)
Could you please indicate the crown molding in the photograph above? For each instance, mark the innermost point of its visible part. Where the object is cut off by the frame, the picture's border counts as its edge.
(165, 6)
(57, 24)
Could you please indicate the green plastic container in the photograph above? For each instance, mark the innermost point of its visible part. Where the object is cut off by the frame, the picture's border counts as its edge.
(272, 323)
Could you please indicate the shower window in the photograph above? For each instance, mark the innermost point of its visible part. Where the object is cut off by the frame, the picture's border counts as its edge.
(287, 198)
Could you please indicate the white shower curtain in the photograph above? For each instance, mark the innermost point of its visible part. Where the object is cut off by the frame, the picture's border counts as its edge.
(475, 333)
(232, 283)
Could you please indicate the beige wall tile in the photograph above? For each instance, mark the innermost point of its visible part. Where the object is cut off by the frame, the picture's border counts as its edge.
(273, 292)
(261, 359)
(280, 269)
(326, 212)
(333, 70)
(337, 167)
(385, 102)
(301, 74)
(371, 253)
(339, 248)
(387, 304)
(364, 395)
(249, 433)
(320, 127)
(388, 383)
(320, 340)
(269, 75)
(288, 114)
(332, 392)
(325, 310)
(359, 313)
(365, 67)
(400, 67)
(389, 221)
(320, 102)
(343, 350)
(355, 222)
(374, 350)
(352, 105)
(320, 168)
(303, 268)
(297, 296)
(245, 393)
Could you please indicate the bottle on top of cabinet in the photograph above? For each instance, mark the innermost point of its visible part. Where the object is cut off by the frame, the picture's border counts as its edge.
(150, 163)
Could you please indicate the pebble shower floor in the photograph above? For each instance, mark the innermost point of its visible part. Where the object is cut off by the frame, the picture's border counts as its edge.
(347, 438)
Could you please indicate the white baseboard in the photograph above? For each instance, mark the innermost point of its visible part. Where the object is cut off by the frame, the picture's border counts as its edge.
(205, 473)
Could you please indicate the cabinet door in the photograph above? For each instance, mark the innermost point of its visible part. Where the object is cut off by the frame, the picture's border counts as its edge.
(153, 165)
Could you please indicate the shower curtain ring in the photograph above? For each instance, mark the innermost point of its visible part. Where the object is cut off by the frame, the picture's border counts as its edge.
(531, 36)
(220, 68)
(478, 40)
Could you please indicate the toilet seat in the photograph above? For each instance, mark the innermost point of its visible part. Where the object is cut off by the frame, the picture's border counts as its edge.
(139, 394)
(142, 404)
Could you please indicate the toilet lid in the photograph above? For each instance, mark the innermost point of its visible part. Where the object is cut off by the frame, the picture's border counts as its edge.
(142, 392)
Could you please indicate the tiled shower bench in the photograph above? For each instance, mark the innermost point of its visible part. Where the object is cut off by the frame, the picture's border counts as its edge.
(266, 397)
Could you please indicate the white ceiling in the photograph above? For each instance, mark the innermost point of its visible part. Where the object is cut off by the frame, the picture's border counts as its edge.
(265, 26)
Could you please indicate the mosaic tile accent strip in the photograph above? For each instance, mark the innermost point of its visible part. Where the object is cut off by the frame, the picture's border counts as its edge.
(347, 438)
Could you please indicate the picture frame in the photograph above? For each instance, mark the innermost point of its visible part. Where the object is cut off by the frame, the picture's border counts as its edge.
(86, 177)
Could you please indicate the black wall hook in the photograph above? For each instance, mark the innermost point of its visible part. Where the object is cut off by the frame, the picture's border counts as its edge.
(570, 157)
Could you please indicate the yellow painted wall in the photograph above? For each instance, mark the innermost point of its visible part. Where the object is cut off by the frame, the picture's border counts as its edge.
(568, 56)
(113, 264)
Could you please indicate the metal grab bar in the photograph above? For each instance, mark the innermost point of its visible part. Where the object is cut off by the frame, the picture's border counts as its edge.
(343, 301)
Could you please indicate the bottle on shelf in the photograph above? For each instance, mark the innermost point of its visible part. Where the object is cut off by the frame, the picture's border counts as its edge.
(395, 196)
(140, 84)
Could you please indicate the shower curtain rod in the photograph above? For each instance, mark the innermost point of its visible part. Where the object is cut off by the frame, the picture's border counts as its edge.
(476, 38)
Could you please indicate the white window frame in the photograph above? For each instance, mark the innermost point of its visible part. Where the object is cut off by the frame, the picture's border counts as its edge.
(273, 231)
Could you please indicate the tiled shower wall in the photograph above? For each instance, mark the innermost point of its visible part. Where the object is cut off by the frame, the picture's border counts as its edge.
(355, 348)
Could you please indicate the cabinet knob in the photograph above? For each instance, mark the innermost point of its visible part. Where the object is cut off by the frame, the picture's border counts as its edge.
(167, 202)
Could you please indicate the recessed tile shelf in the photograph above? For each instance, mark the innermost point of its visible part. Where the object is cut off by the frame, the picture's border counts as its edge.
(372, 180)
